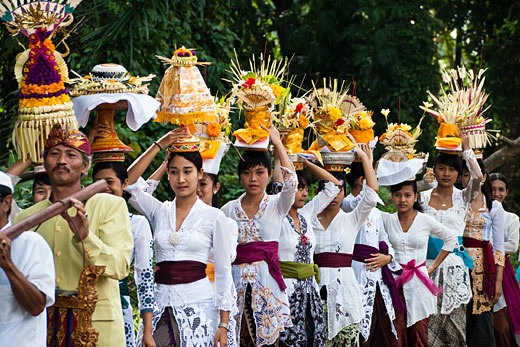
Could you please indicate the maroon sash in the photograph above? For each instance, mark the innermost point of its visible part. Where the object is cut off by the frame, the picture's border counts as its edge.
(490, 275)
(512, 295)
(331, 259)
(179, 272)
(258, 251)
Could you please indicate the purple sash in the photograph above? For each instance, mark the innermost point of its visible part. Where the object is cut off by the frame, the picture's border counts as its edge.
(512, 295)
(363, 252)
(258, 251)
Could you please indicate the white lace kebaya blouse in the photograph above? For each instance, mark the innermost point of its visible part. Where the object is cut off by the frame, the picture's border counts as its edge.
(413, 244)
(344, 304)
(371, 233)
(269, 303)
(204, 228)
(298, 246)
(142, 256)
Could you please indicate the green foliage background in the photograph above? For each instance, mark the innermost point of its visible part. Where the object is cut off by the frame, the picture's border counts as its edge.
(391, 49)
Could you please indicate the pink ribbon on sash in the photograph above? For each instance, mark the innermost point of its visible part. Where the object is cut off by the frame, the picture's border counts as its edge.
(409, 270)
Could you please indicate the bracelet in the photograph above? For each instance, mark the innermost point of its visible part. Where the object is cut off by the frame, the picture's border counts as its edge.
(158, 145)
(223, 325)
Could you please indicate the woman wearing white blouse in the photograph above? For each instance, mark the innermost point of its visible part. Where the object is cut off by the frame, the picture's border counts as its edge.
(484, 240)
(115, 174)
(335, 236)
(448, 205)
(296, 251)
(408, 231)
(188, 310)
(506, 317)
(263, 305)
(373, 263)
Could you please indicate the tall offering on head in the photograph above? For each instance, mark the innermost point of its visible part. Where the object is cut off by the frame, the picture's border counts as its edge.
(331, 125)
(256, 92)
(109, 87)
(185, 99)
(40, 71)
(460, 111)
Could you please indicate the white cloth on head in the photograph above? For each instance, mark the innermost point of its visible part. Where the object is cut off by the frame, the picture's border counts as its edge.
(413, 245)
(391, 172)
(31, 255)
(141, 107)
(212, 166)
(5, 180)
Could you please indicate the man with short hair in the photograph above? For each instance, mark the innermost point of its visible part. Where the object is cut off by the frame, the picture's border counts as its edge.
(97, 231)
(26, 280)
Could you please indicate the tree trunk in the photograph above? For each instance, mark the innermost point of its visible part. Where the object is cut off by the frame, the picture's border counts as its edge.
(501, 156)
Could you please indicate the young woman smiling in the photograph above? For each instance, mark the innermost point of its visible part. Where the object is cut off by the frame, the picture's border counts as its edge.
(506, 316)
(448, 205)
(408, 231)
(188, 311)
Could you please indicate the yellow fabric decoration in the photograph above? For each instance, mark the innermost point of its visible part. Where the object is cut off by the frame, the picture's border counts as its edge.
(362, 136)
(252, 131)
(185, 98)
(338, 141)
(447, 136)
(293, 141)
(186, 118)
(210, 271)
(209, 149)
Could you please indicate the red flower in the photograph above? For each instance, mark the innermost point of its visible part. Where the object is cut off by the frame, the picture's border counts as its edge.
(339, 122)
(298, 108)
(304, 239)
(249, 83)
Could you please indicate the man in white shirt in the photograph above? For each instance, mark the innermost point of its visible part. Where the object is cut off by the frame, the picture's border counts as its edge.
(27, 280)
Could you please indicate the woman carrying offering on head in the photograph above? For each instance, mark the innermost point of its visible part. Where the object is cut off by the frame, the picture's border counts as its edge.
(336, 233)
(263, 305)
(408, 231)
(186, 230)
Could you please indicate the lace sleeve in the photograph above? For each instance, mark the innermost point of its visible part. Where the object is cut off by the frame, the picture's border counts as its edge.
(286, 197)
(469, 193)
(363, 209)
(143, 266)
(143, 201)
(511, 232)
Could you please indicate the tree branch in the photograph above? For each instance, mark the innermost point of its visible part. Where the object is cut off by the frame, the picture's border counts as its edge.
(501, 156)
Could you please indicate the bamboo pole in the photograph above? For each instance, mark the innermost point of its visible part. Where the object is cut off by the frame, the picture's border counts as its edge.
(55, 209)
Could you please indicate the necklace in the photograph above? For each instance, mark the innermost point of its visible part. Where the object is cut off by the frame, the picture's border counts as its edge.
(443, 203)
